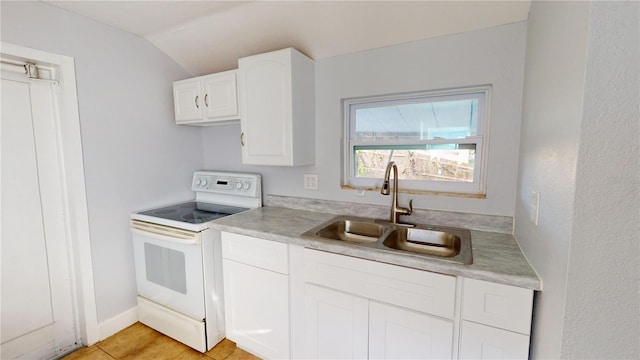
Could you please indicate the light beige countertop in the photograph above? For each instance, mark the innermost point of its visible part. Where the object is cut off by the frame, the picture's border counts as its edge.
(496, 256)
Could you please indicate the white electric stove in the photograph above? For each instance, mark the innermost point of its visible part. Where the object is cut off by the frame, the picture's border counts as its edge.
(178, 258)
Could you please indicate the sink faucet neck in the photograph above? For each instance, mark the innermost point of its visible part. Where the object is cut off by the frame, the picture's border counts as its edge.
(396, 211)
(387, 174)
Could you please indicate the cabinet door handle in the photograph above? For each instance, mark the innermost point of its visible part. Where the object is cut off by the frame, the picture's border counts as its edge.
(206, 100)
(197, 104)
(242, 139)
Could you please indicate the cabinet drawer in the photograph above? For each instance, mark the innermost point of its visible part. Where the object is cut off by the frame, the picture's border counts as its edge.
(409, 288)
(265, 254)
(486, 342)
(503, 306)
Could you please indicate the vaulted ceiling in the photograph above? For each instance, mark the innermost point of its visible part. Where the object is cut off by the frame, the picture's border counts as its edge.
(209, 36)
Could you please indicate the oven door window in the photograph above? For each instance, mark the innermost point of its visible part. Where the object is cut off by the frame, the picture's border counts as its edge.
(165, 267)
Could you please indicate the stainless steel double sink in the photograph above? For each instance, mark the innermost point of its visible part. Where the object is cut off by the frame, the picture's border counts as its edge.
(446, 243)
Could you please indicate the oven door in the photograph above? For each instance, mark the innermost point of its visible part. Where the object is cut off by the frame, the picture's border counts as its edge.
(169, 267)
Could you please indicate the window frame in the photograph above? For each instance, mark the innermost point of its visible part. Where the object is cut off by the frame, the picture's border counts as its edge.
(475, 188)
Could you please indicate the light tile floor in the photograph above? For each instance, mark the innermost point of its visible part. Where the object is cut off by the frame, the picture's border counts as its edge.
(141, 342)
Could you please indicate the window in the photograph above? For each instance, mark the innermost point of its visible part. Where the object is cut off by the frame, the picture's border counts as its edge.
(437, 139)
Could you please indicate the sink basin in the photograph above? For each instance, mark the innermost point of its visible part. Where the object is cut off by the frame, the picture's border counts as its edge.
(447, 243)
(352, 230)
(438, 241)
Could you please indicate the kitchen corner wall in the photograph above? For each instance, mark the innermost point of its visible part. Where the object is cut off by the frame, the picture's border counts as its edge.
(552, 112)
(134, 155)
(579, 150)
(602, 311)
(491, 56)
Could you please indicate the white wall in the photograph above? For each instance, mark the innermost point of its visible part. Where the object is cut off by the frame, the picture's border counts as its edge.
(579, 150)
(492, 56)
(551, 118)
(602, 311)
(134, 155)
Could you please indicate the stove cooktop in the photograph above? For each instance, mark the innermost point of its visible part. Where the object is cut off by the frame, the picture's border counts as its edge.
(193, 212)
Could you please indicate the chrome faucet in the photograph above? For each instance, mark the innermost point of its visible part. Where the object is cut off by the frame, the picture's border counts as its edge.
(395, 210)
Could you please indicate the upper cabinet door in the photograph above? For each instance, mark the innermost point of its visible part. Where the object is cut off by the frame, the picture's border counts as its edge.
(220, 95)
(187, 101)
(277, 112)
(266, 126)
(206, 100)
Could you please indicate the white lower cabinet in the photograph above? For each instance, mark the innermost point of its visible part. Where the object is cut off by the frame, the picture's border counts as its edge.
(335, 324)
(397, 333)
(256, 295)
(486, 342)
(286, 302)
(349, 315)
(344, 326)
(496, 321)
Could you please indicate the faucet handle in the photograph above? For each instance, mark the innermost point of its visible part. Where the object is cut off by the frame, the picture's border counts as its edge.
(404, 211)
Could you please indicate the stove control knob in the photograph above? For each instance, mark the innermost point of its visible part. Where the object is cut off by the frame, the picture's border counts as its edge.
(204, 182)
(247, 186)
(238, 185)
(198, 182)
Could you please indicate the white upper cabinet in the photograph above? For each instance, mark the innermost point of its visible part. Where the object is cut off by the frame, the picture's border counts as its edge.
(186, 100)
(277, 108)
(206, 100)
(221, 96)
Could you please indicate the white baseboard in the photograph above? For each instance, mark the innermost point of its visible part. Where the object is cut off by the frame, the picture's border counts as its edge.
(113, 325)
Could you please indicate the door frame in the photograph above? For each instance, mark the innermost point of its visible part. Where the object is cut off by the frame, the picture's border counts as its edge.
(75, 196)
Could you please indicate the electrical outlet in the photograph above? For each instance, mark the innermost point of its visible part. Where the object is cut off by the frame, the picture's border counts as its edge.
(311, 181)
(534, 207)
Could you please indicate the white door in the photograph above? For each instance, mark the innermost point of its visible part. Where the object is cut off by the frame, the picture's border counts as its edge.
(396, 333)
(37, 309)
(335, 324)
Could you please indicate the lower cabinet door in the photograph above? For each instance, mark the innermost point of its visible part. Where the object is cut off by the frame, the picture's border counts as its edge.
(257, 309)
(486, 342)
(335, 324)
(397, 333)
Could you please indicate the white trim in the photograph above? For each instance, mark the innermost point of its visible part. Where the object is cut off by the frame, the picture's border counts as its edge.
(419, 94)
(74, 186)
(118, 322)
(481, 139)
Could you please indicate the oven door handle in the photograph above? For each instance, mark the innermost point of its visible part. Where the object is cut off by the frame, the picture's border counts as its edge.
(178, 236)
